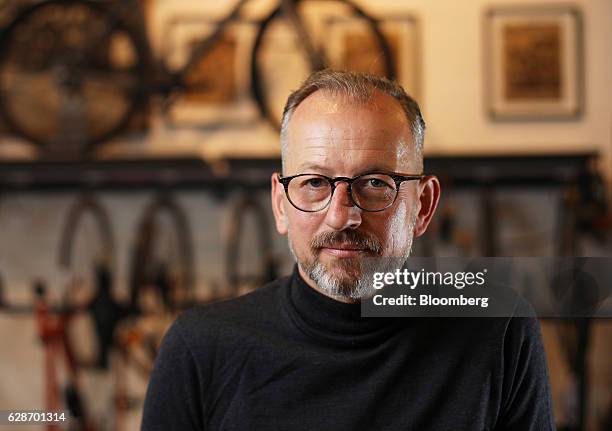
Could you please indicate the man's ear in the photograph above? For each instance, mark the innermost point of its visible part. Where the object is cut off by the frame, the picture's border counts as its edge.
(429, 195)
(278, 208)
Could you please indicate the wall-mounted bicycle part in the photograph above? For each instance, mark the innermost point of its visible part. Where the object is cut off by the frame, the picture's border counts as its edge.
(162, 256)
(236, 234)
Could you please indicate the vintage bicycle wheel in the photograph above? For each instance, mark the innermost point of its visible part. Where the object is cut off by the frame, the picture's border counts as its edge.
(162, 266)
(341, 36)
(261, 272)
(71, 75)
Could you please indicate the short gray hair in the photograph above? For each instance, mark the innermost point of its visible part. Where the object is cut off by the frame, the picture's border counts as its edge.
(358, 87)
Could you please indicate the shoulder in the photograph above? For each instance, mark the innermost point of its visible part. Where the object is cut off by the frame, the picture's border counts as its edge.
(518, 327)
(204, 334)
(526, 397)
(522, 330)
(523, 349)
(236, 310)
(498, 340)
(525, 385)
(191, 365)
(254, 311)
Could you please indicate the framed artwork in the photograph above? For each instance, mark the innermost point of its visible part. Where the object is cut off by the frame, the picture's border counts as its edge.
(353, 48)
(533, 62)
(218, 84)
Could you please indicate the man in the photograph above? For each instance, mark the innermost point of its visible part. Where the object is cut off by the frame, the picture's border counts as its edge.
(296, 354)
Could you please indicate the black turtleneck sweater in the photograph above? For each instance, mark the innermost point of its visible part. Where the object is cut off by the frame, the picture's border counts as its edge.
(286, 357)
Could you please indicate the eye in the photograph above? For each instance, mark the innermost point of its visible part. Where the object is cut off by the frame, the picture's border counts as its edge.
(376, 183)
(315, 182)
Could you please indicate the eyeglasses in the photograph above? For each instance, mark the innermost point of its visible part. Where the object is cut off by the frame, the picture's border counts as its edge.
(375, 191)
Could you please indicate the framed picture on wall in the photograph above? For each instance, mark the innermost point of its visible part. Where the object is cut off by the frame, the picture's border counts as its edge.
(533, 62)
(352, 47)
(217, 90)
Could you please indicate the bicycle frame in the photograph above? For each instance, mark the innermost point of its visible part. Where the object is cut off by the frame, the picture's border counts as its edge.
(288, 7)
(178, 80)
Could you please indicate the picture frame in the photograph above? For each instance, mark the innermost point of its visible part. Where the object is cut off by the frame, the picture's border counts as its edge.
(218, 91)
(351, 49)
(533, 62)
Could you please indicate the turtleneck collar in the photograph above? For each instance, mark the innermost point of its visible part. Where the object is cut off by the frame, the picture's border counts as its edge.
(331, 320)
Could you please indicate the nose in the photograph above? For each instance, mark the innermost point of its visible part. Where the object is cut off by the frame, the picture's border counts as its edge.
(342, 212)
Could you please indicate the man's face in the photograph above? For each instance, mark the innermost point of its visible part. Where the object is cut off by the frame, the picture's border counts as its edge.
(334, 136)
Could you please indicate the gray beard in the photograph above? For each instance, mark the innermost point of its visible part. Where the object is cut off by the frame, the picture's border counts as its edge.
(361, 285)
(356, 290)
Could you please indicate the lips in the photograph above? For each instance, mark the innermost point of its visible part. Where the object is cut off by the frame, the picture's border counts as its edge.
(345, 250)
(346, 243)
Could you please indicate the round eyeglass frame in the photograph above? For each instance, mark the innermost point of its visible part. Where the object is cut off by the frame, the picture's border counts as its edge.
(397, 178)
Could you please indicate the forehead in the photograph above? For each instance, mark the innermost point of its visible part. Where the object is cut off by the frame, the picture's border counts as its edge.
(344, 136)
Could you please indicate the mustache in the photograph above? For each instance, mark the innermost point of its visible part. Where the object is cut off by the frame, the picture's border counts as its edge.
(350, 237)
